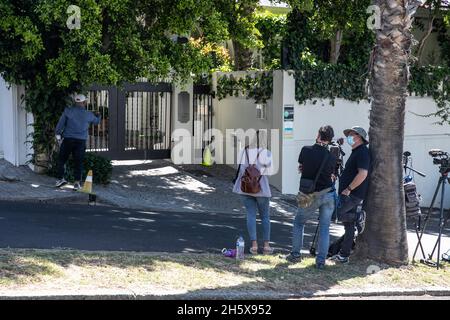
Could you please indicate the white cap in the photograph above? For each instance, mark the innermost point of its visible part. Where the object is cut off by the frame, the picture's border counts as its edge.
(80, 98)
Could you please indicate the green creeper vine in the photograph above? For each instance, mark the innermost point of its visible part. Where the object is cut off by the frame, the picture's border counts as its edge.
(433, 81)
(258, 86)
(328, 81)
(118, 41)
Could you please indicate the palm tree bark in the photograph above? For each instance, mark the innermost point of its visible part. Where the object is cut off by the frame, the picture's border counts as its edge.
(386, 239)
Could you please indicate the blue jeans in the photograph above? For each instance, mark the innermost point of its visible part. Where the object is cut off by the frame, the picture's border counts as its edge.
(325, 203)
(262, 205)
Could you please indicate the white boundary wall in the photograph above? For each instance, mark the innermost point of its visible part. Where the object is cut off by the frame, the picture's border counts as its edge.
(421, 134)
(14, 125)
(240, 113)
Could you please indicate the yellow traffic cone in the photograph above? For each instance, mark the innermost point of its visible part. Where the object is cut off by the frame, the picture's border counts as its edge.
(87, 187)
(207, 158)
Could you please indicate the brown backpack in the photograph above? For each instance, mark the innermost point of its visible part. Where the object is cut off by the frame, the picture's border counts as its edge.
(251, 177)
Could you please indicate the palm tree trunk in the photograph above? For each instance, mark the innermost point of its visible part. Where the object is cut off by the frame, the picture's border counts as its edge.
(385, 239)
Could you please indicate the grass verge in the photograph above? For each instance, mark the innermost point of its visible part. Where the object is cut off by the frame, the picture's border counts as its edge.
(72, 271)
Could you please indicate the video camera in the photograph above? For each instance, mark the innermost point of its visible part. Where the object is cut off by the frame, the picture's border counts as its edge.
(441, 158)
(336, 150)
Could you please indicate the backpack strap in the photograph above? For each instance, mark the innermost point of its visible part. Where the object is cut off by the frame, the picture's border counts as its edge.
(322, 165)
(246, 154)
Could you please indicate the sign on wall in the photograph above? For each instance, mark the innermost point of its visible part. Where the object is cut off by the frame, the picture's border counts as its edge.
(288, 122)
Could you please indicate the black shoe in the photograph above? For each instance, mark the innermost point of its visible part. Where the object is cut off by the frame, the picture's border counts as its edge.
(293, 259)
(320, 266)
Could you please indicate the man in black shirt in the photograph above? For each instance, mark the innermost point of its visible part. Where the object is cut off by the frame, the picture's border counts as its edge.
(310, 161)
(353, 185)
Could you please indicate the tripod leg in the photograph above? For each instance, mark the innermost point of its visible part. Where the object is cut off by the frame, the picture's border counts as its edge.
(427, 217)
(441, 226)
(312, 250)
(336, 204)
(424, 256)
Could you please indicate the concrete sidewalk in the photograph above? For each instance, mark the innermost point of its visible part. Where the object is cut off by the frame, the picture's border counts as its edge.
(145, 185)
(22, 184)
(161, 185)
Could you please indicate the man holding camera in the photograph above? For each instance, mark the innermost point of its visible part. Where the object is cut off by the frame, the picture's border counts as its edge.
(353, 185)
(317, 166)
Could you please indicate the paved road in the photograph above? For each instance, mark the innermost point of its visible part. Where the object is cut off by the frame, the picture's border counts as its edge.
(31, 225)
(46, 226)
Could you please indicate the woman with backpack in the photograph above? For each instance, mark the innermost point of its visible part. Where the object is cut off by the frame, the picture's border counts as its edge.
(252, 184)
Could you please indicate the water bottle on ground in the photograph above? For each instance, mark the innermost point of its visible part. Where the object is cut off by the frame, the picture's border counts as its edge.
(240, 245)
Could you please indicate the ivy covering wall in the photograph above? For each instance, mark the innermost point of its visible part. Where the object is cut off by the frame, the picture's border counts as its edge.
(257, 86)
(327, 81)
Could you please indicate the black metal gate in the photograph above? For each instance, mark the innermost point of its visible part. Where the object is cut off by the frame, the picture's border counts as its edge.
(136, 121)
(203, 114)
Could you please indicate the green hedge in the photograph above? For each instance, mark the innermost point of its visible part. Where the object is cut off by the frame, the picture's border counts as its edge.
(101, 167)
(257, 86)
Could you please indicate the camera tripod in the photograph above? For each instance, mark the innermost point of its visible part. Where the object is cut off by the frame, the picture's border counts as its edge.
(442, 221)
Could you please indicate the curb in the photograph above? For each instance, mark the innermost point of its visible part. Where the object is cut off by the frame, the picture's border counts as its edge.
(62, 200)
(226, 295)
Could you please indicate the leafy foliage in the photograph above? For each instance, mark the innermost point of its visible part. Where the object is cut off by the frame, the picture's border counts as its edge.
(433, 81)
(321, 81)
(239, 16)
(272, 29)
(444, 37)
(119, 41)
(258, 86)
(315, 24)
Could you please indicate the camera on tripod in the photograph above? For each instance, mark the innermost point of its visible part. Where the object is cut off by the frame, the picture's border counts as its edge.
(441, 158)
(336, 150)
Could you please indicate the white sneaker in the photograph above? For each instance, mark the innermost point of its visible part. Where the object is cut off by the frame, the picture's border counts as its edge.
(340, 259)
(60, 183)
